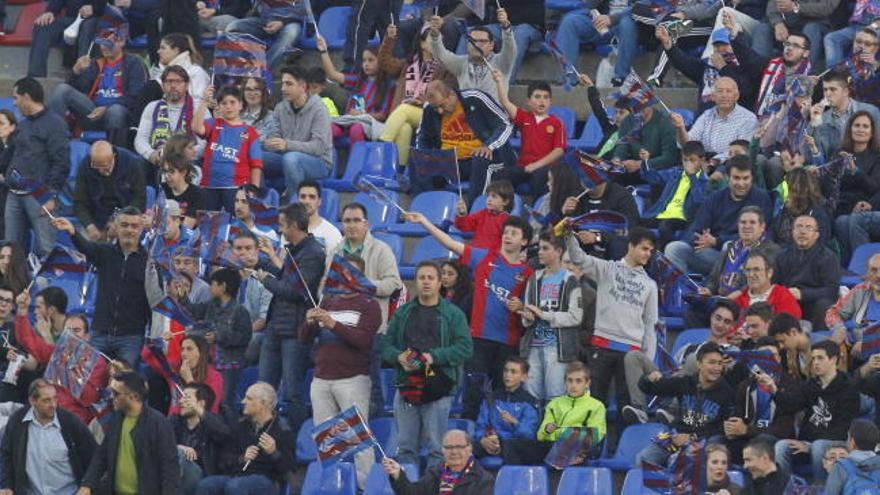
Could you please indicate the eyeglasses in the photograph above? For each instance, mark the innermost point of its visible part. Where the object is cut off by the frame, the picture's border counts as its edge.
(788, 44)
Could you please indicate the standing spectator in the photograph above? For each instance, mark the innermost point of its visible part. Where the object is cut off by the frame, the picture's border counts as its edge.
(302, 148)
(178, 186)
(39, 150)
(344, 326)
(367, 18)
(295, 280)
(759, 287)
(242, 213)
(794, 344)
(715, 223)
(309, 194)
(47, 449)
(8, 125)
(279, 24)
(810, 270)
(831, 402)
(49, 27)
(861, 468)
(110, 180)
(252, 294)
(263, 445)
(514, 414)
(487, 224)
(103, 93)
(201, 436)
(456, 286)
(814, 18)
(764, 476)
(427, 334)
(139, 452)
(122, 310)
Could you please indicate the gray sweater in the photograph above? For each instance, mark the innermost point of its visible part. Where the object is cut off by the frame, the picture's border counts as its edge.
(306, 130)
(626, 299)
(472, 75)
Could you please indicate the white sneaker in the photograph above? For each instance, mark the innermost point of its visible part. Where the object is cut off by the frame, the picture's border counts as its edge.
(664, 416)
(632, 415)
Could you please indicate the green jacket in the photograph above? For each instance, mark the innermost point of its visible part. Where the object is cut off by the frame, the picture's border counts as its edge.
(565, 411)
(657, 136)
(455, 348)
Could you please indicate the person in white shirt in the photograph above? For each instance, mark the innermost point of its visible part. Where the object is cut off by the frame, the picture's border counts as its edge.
(309, 194)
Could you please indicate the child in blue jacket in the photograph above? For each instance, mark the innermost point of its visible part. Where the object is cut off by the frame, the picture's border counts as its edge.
(513, 412)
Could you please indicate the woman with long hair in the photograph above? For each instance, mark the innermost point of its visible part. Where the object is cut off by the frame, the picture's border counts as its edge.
(562, 184)
(179, 49)
(456, 286)
(258, 107)
(804, 197)
(8, 126)
(195, 366)
(13, 267)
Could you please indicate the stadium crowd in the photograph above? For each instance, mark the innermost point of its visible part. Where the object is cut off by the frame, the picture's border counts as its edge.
(195, 352)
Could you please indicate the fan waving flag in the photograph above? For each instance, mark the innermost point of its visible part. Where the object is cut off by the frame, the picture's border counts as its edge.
(591, 172)
(688, 469)
(62, 259)
(569, 72)
(793, 127)
(345, 278)
(636, 93)
(212, 225)
(71, 364)
(160, 214)
(264, 213)
(572, 447)
(670, 278)
(607, 221)
(763, 360)
(220, 254)
(35, 187)
(342, 435)
(655, 477)
(478, 7)
(174, 311)
(239, 55)
(367, 185)
(425, 163)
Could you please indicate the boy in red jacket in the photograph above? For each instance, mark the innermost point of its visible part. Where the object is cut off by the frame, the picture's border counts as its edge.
(488, 223)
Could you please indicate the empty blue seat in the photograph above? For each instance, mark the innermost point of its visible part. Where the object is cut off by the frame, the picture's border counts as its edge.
(522, 480)
(491, 462)
(462, 424)
(632, 441)
(379, 213)
(370, 158)
(248, 377)
(92, 136)
(385, 431)
(79, 151)
(585, 481)
(688, 337)
(332, 26)
(8, 103)
(858, 264)
(568, 118)
(306, 450)
(633, 484)
(338, 478)
(329, 208)
(437, 206)
(427, 248)
(394, 241)
(591, 136)
(377, 481)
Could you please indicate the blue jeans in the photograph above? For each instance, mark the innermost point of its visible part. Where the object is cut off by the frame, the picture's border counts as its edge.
(838, 44)
(46, 36)
(577, 28)
(255, 484)
(683, 255)
(422, 425)
(23, 211)
(190, 474)
(784, 458)
(124, 347)
(280, 43)
(764, 41)
(283, 359)
(115, 121)
(524, 34)
(546, 373)
(296, 167)
(842, 232)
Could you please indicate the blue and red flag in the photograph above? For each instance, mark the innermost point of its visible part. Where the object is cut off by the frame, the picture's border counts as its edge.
(174, 311)
(239, 55)
(425, 163)
(368, 185)
(655, 477)
(264, 213)
(220, 254)
(607, 221)
(572, 447)
(153, 354)
(212, 225)
(35, 187)
(635, 92)
(793, 127)
(62, 259)
(342, 436)
(763, 360)
(688, 469)
(72, 363)
(160, 214)
(112, 26)
(478, 7)
(569, 73)
(871, 340)
(670, 278)
(591, 172)
(345, 278)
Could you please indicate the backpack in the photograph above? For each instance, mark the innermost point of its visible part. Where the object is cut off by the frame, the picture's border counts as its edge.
(858, 481)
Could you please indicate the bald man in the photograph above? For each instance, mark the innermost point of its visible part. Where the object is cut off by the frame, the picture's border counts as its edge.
(857, 305)
(107, 179)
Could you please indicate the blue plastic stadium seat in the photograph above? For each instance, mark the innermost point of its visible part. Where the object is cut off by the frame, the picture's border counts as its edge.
(369, 158)
(377, 481)
(379, 213)
(522, 480)
(338, 478)
(689, 336)
(332, 26)
(591, 136)
(78, 152)
(858, 264)
(329, 204)
(8, 103)
(633, 484)
(249, 376)
(394, 241)
(686, 114)
(568, 118)
(586, 481)
(306, 451)
(563, 5)
(427, 248)
(385, 431)
(632, 441)
(491, 462)
(437, 206)
(387, 377)
(462, 424)
(92, 136)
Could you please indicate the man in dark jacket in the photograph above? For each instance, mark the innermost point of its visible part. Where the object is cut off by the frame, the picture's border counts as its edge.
(764, 476)
(201, 436)
(122, 311)
(103, 93)
(108, 179)
(606, 196)
(39, 150)
(474, 124)
(139, 452)
(458, 464)
(45, 449)
(293, 284)
(810, 270)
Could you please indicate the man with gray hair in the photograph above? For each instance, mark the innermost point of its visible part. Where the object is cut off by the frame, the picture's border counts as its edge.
(458, 465)
(853, 306)
(263, 444)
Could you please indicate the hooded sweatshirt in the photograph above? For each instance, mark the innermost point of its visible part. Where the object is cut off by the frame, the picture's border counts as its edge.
(866, 462)
(828, 411)
(306, 129)
(703, 411)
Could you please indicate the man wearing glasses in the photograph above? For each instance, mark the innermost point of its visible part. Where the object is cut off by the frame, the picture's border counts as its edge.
(759, 273)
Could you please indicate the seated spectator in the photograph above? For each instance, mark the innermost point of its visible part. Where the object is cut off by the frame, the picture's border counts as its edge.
(833, 112)
(233, 154)
(138, 454)
(229, 330)
(413, 75)
(180, 50)
(578, 408)
(649, 140)
(317, 82)
(473, 71)
(215, 17)
(122, 310)
(40, 150)
(717, 462)
(426, 330)
(194, 366)
(178, 173)
(863, 18)
(722, 124)
(869, 379)
(794, 345)
(278, 24)
(804, 198)
(252, 294)
(263, 447)
(201, 436)
(562, 184)
(763, 474)
(706, 401)
(831, 400)
(344, 326)
(242, 213)
(108, 179)
(459, 470)
(488, 223)
(684, 191)
(103, 93)
(725, 315)
(471, 123)
(814, 19)
(759, 274)
(10, 392)
(456, 286)
(163, 118)
(65, 442)
(543, 136)
(50, 25)
(302, 148)
(861, 468)
(309, 194)
(41, 350)
(581, 26)
(715, 223)
(835, 452)
(514, 414)
(13, 267)
(257, 111)
(862, 65)
(370, 93)
(176, 234)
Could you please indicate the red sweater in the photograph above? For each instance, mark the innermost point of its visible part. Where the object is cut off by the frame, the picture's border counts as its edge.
(213, 379)
(42, 352)
(486, 226)
(780, 300)
(344, 350)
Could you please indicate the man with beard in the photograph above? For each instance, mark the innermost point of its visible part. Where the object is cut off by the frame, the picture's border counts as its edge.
(252, 294)
(309, 194)
(201, 436)
(242, 212)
